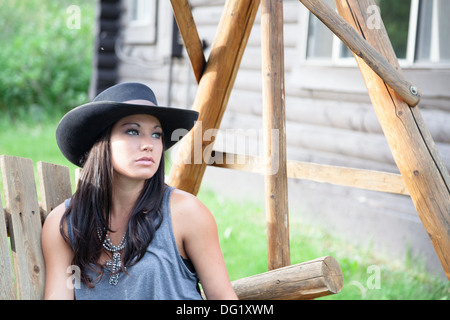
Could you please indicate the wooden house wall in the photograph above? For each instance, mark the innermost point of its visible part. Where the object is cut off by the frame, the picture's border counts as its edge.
(330, 120)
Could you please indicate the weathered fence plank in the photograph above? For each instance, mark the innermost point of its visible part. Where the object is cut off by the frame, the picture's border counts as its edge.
(54, 184)
(22, 208)
(7, 289)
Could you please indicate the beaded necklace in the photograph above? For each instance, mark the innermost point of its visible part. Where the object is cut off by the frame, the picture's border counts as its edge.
(114, 264)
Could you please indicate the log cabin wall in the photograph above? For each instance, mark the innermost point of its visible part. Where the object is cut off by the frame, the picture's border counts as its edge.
(330, 120)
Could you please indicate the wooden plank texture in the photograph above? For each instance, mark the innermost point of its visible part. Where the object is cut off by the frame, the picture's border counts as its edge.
(307, 280)
(22, 207)
(414, 151)
(7, 289)
(54, 185)
(343, 176)
(274, 122)
(188, 30)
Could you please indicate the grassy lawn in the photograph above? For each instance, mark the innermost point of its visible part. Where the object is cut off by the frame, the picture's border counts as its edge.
(367, 275)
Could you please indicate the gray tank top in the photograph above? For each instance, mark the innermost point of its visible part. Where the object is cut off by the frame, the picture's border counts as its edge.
(161, 274)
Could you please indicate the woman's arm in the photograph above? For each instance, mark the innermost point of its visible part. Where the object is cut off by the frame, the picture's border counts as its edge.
(200, 242)
(58, 257)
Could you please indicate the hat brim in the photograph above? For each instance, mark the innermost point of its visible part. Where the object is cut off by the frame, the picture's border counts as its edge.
(81, 127)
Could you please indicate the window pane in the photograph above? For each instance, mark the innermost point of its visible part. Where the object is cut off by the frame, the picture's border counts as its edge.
(320, 39)
(395, 15)
(444, 30)
(433, 36)
(423, 44)
(143, 10)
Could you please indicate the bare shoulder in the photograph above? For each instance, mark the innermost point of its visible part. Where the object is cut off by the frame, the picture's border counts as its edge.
(53, 219)
(190, 209)
(51, 235)
(58, 256)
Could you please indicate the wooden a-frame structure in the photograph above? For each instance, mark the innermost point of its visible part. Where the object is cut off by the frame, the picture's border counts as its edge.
(423, 174)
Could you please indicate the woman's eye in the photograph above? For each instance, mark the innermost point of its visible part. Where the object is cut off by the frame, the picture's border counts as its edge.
(133, 132)
(157, 135)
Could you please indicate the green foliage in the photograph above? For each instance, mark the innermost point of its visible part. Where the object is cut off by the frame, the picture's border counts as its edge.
(45, 65)
(395, 16)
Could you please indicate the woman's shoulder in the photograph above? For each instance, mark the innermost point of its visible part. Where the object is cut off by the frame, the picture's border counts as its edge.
(185, 206)
(53, 220)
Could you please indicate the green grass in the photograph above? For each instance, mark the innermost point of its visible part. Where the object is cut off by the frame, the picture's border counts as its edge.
(367, 275)
(242, 233)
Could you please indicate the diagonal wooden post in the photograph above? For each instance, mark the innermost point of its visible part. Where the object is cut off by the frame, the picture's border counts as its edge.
(188, 30)
(414, 151)
(274, 119)
(360, 47)
(213, 93)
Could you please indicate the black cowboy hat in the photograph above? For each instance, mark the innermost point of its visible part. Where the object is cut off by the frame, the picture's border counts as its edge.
(80, 128)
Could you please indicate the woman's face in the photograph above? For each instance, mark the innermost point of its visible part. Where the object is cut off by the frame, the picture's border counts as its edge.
(136, 146)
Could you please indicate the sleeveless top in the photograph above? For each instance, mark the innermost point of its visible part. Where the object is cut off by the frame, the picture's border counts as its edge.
(161, 274)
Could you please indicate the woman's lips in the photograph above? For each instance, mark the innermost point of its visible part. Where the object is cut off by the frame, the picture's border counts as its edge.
(146, 160)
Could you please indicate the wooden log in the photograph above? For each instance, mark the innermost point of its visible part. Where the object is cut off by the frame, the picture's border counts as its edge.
(303, 281)
(274, 123)
(54, 184)
(213, 92)
(22, 207)
(7, 289)
(188, 30)
(417, 158)
(348, 177)
(360, 47)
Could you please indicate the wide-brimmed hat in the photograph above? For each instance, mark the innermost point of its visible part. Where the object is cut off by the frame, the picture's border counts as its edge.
(80, 128)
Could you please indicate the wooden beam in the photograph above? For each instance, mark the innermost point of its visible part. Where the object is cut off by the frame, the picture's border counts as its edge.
(348, 177)
(213, 92)
(188, 30)
(274, 123)
(356, 43)
(303, 281)
(417, 158)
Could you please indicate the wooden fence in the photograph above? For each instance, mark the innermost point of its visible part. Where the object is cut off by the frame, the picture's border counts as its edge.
(23, 277)
(22, 267)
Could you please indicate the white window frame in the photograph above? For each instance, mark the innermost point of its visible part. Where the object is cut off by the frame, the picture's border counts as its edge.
(409, 61)
(144, 29)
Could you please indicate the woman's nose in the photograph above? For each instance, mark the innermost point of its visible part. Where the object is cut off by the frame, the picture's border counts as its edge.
(147, 147)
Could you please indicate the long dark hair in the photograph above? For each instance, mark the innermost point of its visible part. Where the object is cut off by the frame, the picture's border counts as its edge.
(89, 211)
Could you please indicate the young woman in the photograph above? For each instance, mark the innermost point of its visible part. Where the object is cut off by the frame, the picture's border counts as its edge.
(124, 233)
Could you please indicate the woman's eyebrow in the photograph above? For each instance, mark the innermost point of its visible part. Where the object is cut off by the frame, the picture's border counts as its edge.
(138, 125)
(131, 123)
